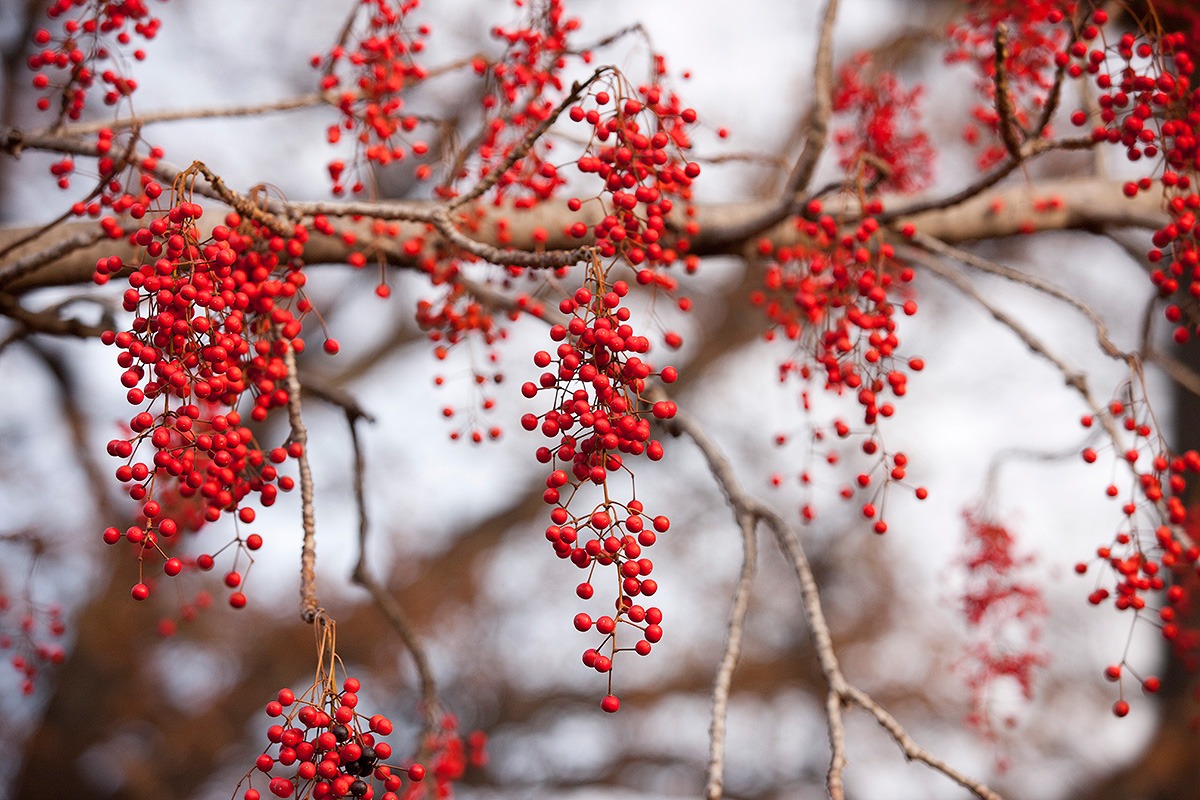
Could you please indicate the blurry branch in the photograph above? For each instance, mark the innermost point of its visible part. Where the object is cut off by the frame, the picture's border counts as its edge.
(1025, 454)
(816, 123)
(840, 691)
(1007, 121)
(1028, 150)
(31, 262)
(1033, 282)
(48, 321)
(331, 97)
(1176, 370)
(73, 412)
(714, 782)
(310, 610)
(1071, 376)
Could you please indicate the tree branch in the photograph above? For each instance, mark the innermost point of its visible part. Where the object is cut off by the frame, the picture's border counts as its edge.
(841, 691)
(310, 609)
(715, 781)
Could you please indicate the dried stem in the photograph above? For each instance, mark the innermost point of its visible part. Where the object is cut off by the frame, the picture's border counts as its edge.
(309, 607)
(715, 780)
(383, 599)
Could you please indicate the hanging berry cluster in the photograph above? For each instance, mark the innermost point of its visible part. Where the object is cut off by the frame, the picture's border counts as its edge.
(884, 146)
(599, 421)
(1153, 554)
(524, 84)
(1029, 67)
(321, 745)
(1005, 610)
(637, 143)
(91, 32)
(30, 635)
(1149, 108)
(379, 62)
(213, 323)
(830, 296)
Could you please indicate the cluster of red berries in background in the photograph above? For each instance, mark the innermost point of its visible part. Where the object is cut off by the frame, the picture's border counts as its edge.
(600, 421)
(29, 637)
(93, 31)
(1038, 30)
(213, 320)
(883, 146)
(1005, 610)
(379, 65)
(322, 746)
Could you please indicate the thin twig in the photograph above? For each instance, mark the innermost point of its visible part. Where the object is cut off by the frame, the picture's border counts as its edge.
(518, 152)
(383, 599)
(715, 780)
(1032, 281)
(309, 607)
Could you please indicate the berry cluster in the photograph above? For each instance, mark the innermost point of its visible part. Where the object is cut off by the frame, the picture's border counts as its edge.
(29, 633)
(380, 65)
(636, 149)
(1149, 108)
(830, 296)
(600, 419)
(1155, 559)
(450, 754)
(884, 147)
(213, 323)
(1005, 611)
(523, 83)
(322, 746)
(68, 61)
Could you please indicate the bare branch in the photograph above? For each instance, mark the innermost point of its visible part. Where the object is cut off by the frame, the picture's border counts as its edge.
(715, 780)
(46, 321)
(840, 690)
(816, 125)
(1032, 281)
(310, 610)
(1004, 106)
(384, 601)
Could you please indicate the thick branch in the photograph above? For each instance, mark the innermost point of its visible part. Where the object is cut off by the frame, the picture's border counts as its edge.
(1088, 203)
